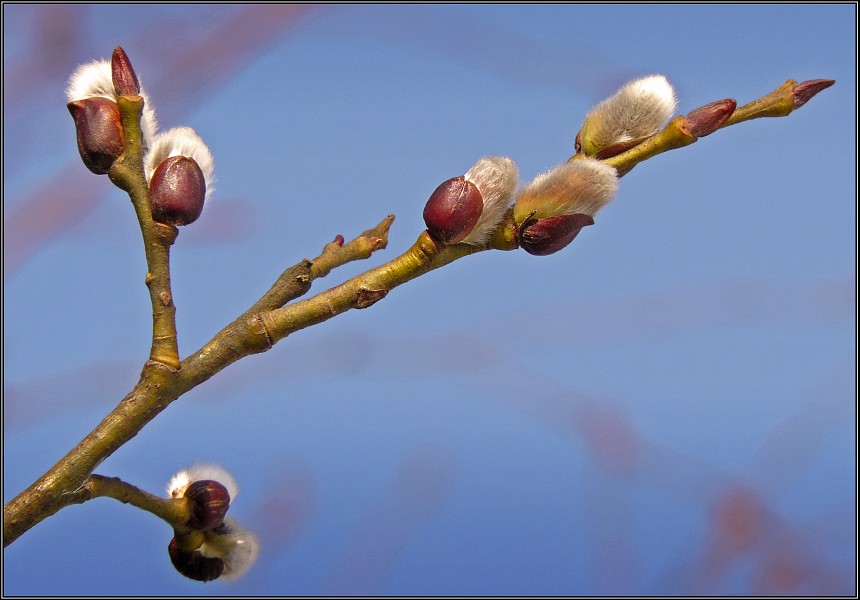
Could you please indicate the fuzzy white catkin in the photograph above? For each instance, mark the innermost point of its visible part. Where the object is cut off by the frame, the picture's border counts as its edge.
(201, 472)
(576, 187)
(94, 80)
(237, 546)
(638, 110)
(181, 141)
(496, 177)
(91, 80)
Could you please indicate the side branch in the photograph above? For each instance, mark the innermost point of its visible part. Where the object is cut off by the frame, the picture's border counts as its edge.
(296, 280)
(70, 480)
(128, 174)
(364, 290)
(176, 512)
(680, 131)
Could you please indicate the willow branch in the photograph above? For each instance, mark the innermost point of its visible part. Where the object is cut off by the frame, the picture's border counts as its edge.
(296, 280)
(176, 512)
(159, 385)
(779, 103)
(364, 290)
(271, 318)
(127, 173)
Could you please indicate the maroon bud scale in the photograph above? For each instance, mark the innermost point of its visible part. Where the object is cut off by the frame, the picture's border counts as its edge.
(549, 235)
(125, 81)
(101, 139)
(453, 210)
(705, 120)
(209, 503)
(177, 190)
(193, 564)
(804, 92)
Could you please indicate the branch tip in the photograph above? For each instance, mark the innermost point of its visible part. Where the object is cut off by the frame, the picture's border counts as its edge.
(805, 91)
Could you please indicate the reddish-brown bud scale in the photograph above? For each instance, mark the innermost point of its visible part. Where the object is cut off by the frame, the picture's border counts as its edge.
(453, 210)
(193, 564)
(547, 236)
(101, 139)
(125, 81)
(705, 120)
(209, 503)
(176, 191)
(803, 92)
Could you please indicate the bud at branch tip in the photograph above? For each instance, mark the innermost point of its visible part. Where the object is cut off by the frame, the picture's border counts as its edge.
(804, 92)
(124, 78)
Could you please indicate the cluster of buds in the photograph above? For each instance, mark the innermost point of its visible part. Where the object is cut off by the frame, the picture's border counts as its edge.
(216, 545)
(179, 167)
(550, 211)
(93, 91)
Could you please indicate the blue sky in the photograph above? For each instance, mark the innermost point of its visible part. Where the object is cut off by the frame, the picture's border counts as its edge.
(665, 407)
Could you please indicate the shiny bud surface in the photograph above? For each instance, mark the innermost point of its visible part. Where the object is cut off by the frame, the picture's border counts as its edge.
(100, 136)
(125, 81)
(209, 503)
(177, 191)
(804, 92)
(705, 120)
(453, 210)
(541, 237)
(193, 564)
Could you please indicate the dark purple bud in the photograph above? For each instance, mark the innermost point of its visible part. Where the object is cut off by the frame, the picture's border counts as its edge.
(705, 120)
(209, 503)
(176, 191)
(193, 564)
(803, 92)
(101, 139)
(547, 236)
(124, 78)
(453, 209)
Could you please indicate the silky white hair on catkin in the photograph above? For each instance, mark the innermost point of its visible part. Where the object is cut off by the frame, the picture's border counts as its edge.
(577, 187)
(237, 546)
(638, 110)
(201, 472)
(496, 177)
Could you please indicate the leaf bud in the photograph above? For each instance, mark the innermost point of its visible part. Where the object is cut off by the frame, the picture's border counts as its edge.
(209, 503)
(637, 111)
(124, 78)
(100, 136)
(804, 92)
(705, 120)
